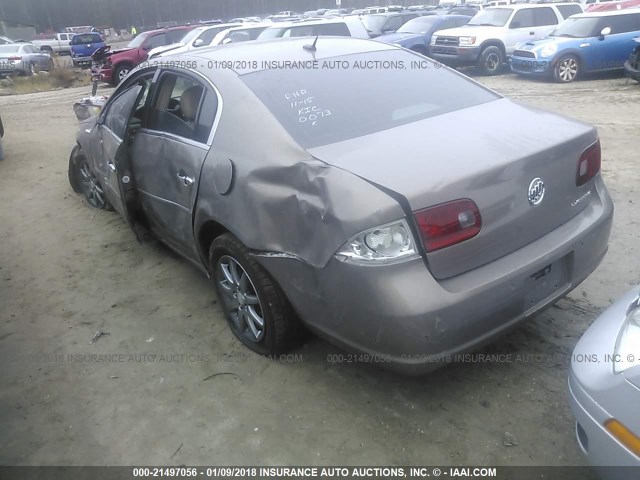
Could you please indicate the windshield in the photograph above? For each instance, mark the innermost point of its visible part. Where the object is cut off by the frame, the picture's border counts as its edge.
(319, 106)
(9, 48)
(419, 25)
(136, 42)
(577, 28)
(492, 17)
(85, 38)
(373, 23)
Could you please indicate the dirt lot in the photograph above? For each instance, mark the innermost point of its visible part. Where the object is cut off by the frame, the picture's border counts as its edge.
(68, 271)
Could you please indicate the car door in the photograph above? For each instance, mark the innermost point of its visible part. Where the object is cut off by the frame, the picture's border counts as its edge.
(611, 51)
(521, 29)
(111, 162)
(168, 154)
(545, 19)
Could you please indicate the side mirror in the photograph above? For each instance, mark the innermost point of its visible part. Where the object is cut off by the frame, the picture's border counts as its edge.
(604, 32)
(198, 42)
(227, 41)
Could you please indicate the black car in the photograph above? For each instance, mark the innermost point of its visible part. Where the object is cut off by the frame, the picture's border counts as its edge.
(379, 23)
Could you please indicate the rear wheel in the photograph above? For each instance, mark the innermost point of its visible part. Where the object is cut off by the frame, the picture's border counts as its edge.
(256, 309)
(567, 69)
(491, 60)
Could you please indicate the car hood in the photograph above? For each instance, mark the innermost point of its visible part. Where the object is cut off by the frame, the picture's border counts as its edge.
(397, 37)
(559, 41)
(466, 30)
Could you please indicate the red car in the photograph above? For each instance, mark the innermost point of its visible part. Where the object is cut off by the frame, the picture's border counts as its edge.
(608, 6)
(119, 63)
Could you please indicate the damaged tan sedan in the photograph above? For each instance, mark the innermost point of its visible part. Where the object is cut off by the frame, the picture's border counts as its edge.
(330, 184)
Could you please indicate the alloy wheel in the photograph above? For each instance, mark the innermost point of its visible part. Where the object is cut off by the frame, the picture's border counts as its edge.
(123, 73)
(240, 298)
(493, 61)
(567, 69)
(91, 187)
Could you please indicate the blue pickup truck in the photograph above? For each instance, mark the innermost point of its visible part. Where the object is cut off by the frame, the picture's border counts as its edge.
(83, 45)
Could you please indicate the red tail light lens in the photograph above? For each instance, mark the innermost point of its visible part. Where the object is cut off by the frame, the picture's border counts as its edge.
(589, 164)
(448, 223)
(15, 58)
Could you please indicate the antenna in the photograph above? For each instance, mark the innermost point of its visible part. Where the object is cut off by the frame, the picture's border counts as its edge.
(312, 47)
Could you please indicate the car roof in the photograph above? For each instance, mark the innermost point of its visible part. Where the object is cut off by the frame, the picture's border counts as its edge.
(315, 21)
(520, 6)
(608, 13)
(285, 49)
(177, 27)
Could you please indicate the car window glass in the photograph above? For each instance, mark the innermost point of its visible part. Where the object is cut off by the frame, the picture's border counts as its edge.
(336, 29)
(544, 16)
(523, 18)
(177, 106)
(156, 41)
(567, 10)
(319, 107)
(208, 35)
(392, 24)
(119, 111)
(624, 23)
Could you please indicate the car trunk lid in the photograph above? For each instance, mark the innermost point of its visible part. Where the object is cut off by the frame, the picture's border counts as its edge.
(491, 154)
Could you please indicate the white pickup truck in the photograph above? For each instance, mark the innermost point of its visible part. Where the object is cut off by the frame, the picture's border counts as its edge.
(492, 34)
(60, 44)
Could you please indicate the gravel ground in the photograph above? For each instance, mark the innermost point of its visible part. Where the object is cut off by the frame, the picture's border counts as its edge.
(175, 387)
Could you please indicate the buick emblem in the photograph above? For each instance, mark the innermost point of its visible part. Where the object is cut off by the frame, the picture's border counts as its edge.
(536, 191)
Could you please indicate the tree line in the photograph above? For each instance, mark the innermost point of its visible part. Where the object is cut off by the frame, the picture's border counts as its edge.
(54, 15)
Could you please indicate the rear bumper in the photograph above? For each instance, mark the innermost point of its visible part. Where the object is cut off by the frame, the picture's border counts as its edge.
(402, 318)
(530, 66)
(455, 56)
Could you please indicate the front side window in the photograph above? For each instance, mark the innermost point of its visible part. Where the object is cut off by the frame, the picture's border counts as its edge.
(156, 41)
(523, 19)
(119, 111)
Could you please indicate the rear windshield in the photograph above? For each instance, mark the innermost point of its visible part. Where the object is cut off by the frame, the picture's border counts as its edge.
(338, 101)
(85, 38)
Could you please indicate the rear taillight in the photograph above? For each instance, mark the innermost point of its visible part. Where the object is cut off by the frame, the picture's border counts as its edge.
(15, 59)
(589, 164)
(448, 223)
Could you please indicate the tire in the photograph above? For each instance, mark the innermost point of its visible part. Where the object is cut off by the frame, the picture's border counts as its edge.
(491, 60)
(566, 69)
(31, 70)
(119, 73)
(83, 180)
(419, 49)
(247, 293)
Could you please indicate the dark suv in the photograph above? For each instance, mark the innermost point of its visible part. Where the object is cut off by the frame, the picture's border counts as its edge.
(121, 62)
(379, 23)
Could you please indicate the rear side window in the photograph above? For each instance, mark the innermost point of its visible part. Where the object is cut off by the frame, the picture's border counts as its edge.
(624, 23)
(183, 107)
(325, 105)
(545, 16)
(174, 36)
(567, 10)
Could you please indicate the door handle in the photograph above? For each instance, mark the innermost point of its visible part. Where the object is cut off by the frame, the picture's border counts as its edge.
(111, 165)
(532, 33)
(188, 181)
